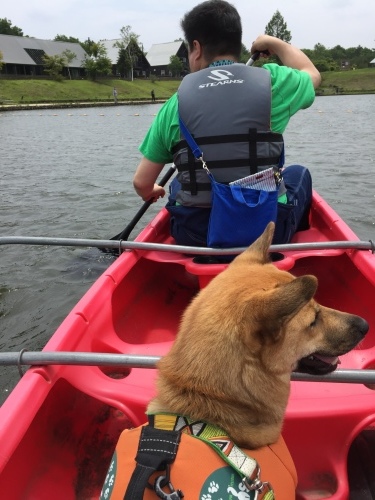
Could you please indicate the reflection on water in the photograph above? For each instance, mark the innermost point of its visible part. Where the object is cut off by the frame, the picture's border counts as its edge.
(67, 173)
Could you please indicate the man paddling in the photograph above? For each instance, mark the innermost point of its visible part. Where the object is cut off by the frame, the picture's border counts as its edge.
(222, 98)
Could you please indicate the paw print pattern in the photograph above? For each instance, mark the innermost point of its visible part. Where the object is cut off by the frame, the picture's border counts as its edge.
(214, 487)
(206, 497)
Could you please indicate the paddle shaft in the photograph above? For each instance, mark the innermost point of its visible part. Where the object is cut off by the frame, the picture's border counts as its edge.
(253, 58)
(43, 358)
(125, 233)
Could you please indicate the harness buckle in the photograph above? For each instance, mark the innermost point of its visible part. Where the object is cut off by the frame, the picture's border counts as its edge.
(163, 481)
(262, 490)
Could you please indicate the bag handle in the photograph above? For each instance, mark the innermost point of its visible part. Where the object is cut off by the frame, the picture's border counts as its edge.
(237, 193)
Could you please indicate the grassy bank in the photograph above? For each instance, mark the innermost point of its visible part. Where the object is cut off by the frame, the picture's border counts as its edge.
(360, 81)
(48, 91)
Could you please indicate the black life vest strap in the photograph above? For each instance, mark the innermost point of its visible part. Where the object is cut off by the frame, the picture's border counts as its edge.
(203, 186)
(156, 450)
(193, 185)
(240, 162)
(253, 154)
(253, 162)
(222, 139)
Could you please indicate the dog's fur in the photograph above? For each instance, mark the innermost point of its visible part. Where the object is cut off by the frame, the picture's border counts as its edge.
(239, 341)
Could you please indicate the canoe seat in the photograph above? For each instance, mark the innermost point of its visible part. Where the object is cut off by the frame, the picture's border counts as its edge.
(329, 417)
(207, 271)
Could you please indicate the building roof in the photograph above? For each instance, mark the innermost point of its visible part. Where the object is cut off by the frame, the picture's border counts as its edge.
(25, 50)
(372, 62)
(112, 52)
(160, 54)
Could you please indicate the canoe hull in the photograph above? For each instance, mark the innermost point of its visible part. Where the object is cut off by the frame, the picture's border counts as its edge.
(61, 423)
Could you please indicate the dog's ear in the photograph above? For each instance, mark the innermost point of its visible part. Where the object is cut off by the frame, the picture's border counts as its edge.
(273, 307)
(258, 251)
(289, 298)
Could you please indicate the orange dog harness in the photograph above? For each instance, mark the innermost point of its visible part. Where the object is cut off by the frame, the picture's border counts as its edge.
(201, 470)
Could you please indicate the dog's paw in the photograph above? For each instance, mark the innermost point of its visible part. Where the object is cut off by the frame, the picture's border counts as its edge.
(214, 487)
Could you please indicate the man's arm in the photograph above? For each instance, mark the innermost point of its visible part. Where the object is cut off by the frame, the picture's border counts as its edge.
(289, 55)
(144, 180)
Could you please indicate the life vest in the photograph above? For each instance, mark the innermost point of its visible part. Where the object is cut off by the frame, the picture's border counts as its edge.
(227, 109)
(199, 472)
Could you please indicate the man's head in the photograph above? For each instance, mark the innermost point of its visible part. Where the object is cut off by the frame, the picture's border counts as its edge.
(214, 27)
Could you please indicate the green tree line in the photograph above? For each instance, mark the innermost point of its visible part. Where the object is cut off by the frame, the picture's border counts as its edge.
(325, 59)
(97, 63)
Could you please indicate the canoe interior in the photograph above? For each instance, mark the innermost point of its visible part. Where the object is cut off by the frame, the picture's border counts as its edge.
(60, 425)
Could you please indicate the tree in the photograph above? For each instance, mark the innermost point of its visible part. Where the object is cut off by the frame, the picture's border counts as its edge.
(175, 66)
(320, 51)
(6, 28)
(277, 27)
(129, 44)
(63, 38)
(86, 45)
(69, 56)
(97, 63)
(123, 64)
(53, 65)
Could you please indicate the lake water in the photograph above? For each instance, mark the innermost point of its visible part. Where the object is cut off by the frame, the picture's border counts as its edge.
(67, 173)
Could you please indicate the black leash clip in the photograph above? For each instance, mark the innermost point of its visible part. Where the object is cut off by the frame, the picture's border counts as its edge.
(162, 482)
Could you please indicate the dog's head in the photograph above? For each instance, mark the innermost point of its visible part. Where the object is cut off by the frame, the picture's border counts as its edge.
(295, 330)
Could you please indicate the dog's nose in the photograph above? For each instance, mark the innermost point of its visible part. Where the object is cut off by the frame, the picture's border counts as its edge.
(361, 325)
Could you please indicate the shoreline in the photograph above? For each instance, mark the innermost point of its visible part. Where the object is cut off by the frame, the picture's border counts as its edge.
(94, 104)
(70, 105)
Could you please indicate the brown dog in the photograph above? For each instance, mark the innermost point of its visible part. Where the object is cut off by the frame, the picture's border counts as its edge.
(239, 341)
(230, 366)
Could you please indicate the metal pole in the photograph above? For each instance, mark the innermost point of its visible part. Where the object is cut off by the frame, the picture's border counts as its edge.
(138, 245)
(76, 358)
(141, 361)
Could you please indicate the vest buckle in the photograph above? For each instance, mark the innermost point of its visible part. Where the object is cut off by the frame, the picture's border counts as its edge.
(163, 481)
(262, 490)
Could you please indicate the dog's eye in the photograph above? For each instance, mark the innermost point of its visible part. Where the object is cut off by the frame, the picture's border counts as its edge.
(314, 322)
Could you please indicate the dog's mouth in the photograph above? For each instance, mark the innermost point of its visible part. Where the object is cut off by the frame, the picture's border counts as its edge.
(317, 364)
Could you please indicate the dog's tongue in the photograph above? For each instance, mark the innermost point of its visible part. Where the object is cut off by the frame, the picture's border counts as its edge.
(318, 365)
(331, 360)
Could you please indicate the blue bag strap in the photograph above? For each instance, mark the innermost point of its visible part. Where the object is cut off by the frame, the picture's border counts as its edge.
(190, 140)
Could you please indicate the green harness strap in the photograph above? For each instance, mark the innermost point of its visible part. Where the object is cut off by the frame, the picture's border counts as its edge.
(217, 439)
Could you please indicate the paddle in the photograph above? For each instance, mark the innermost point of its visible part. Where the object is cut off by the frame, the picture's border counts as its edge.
(125, 233)
(253, 58)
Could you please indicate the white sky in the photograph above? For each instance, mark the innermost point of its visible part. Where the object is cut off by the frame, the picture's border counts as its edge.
(348, 23)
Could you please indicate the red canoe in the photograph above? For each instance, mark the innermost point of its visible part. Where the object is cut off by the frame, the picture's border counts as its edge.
(60, 424)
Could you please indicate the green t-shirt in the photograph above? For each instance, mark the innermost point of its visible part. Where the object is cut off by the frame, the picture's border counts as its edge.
(292, 90)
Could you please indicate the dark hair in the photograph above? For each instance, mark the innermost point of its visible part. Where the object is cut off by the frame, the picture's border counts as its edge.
(216, 25)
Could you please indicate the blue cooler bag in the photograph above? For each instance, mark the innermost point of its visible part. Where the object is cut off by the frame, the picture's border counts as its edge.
(239, 215)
